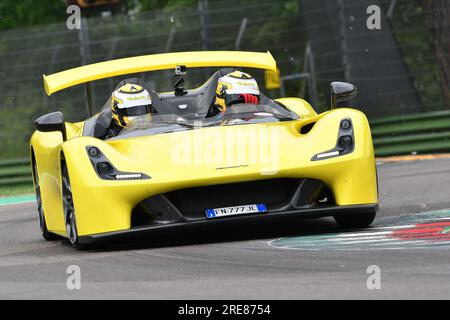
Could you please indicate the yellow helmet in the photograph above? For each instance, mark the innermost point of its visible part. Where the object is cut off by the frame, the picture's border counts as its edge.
(128, 102)
(236, 87)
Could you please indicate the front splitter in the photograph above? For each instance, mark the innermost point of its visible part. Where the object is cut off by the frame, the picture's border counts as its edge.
(307, 213)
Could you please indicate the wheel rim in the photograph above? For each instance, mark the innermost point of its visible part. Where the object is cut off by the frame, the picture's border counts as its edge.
(69, 210)
(40, 209)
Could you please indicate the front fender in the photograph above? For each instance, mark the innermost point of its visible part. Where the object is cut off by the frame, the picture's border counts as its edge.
(46, 146)
(100, 205)
(351, 177)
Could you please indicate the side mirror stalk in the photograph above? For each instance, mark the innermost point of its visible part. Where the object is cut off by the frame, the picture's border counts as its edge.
(52, 122)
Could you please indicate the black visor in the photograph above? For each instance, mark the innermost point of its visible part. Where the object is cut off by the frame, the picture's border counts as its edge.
(135, 111)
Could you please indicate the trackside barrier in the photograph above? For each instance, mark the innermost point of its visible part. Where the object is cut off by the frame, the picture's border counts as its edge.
(15, 172)
(393, 135)
(410, 134)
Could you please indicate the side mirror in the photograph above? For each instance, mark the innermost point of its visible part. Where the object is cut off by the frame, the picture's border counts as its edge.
(341, 91)
(51, 122)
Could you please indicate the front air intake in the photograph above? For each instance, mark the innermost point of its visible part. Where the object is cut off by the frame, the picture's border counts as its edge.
(307, 128)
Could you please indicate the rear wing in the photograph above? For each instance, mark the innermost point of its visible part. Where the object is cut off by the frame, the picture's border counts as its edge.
(65, 79)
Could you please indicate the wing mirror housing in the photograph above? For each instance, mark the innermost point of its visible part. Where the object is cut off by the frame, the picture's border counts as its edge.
(341, 91)
(51, 122)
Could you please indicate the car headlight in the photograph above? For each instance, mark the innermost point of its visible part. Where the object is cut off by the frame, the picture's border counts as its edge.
(346, 124)
(344, 145)
(105, 170)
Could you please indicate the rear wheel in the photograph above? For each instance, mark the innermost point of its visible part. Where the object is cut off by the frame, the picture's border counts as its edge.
(69, 209)
(360, 220)
(41, 216)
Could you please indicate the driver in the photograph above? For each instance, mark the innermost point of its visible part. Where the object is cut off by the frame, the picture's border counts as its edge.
(127, 103)
(233, 88)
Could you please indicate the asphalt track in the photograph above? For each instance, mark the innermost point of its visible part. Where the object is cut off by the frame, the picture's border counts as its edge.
(299, 260)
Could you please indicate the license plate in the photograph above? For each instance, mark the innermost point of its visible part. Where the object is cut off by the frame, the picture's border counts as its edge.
(231, 211)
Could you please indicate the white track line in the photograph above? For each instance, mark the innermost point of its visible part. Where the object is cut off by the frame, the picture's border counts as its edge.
(345, 235)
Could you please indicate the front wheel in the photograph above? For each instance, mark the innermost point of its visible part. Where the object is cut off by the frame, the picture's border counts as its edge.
(360, 220)
(69, 209)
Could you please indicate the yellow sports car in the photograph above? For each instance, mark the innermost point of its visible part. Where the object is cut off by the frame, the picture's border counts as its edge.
(181, 165)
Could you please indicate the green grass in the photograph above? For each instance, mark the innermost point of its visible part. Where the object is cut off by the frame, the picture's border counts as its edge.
(16, 190)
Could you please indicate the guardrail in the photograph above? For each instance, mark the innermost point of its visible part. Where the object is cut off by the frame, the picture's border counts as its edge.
(15, 172)
(417, 133)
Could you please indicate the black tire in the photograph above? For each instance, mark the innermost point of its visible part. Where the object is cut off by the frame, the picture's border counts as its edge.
(360, 220)
(40, 209)
(69, 209)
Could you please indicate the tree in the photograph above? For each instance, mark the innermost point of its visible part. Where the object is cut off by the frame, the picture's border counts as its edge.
(14, 14)
(437, 16)
(24, 13)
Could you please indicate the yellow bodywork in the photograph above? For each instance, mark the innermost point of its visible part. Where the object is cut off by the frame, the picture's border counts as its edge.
(106, 205)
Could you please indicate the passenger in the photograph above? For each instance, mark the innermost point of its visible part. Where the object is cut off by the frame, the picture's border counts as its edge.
(233, 88)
